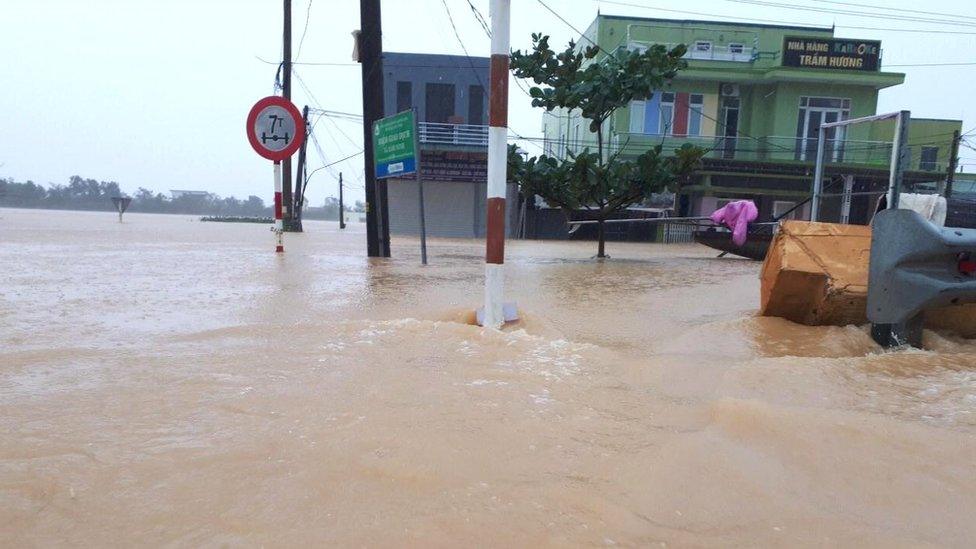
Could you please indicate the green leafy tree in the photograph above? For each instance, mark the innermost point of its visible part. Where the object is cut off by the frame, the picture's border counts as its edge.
(575, 79)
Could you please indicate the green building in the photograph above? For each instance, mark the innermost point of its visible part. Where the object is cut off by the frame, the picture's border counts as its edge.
(754, 97)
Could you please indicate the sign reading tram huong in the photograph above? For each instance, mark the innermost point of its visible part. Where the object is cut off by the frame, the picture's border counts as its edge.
(831, 53)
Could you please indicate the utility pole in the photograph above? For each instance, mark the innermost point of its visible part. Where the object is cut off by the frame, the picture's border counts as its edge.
(370, 49)
(300, 170)
(953, 161)
(286, 194)
(342, 208)
(494, 313)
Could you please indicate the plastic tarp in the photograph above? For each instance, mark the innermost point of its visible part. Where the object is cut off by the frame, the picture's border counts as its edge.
(737, 215)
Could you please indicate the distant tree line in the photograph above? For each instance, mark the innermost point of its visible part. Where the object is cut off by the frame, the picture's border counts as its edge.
(90, 194)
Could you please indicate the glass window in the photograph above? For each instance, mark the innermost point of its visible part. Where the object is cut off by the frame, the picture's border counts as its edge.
(476, 105)
(696, 102)
(929, 159)
(439, 105)
(404, 96)
(780, 207)
(667, 114)
(826, 102)
(637, 116)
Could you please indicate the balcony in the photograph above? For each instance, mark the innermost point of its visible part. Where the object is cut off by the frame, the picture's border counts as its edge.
(767, 149)
(706, 51)
(458, 135)
(772, 149)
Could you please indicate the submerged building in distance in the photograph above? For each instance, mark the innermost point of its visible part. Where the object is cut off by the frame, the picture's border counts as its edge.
(754, 96)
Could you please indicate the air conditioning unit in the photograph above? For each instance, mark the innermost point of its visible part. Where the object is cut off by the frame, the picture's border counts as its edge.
(729, 90)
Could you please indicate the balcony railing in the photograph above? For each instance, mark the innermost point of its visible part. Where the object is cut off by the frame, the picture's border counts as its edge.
(435, 133)
(737, 52)
(762, 149)
(766, 149)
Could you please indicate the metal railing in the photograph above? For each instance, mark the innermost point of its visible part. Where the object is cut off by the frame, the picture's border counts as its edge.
(436, 133)
(765, 149)
(739, 52)
(672, 233)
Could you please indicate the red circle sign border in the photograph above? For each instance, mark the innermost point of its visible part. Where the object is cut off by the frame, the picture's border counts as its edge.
(276, 156)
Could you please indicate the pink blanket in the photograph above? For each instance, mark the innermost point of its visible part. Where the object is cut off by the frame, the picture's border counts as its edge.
(736, 216)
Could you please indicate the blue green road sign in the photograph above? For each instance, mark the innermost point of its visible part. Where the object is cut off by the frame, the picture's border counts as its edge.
(395, 145)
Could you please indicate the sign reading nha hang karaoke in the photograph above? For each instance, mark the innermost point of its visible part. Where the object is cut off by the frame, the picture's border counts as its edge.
(831, 53)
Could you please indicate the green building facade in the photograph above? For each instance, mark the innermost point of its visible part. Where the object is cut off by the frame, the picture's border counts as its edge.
(754, 96)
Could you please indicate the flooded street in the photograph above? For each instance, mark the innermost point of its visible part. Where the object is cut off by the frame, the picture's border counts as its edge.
(166, 381)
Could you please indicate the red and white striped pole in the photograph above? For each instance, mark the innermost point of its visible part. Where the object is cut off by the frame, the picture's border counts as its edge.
(279, 226)
(500, 12)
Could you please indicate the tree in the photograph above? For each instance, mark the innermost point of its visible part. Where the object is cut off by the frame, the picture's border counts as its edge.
(576, 80)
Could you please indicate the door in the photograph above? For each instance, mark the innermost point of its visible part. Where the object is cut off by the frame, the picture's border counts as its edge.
(730, 128)
(810, 132)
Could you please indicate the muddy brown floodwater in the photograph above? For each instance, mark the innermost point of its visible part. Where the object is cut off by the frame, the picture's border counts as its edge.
(170, 382)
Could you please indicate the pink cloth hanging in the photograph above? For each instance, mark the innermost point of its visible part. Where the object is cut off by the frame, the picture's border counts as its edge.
(737, 215)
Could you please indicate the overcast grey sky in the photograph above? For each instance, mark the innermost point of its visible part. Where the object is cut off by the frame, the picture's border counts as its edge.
(154, 93)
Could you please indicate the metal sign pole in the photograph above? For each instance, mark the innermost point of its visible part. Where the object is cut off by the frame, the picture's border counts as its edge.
(818, 175)
(899, 150)
(279, 226)
(420, 189)
(423, 224)
(276, 130)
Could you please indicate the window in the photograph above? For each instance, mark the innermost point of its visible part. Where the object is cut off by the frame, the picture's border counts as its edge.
(737, 48)
(404, 96)
(439, 105)
(637, 116)
(696, 102)
(814, 111)
(667, 114)
(476, 105)
(703, 46)
(929, 159)
(780, 207)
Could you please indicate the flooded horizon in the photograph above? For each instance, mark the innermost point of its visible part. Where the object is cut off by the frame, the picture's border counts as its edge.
(167, 381)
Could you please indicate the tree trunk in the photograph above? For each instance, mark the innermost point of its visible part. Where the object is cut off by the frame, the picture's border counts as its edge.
(601, 237)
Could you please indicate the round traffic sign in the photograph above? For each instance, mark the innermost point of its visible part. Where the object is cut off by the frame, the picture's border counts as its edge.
(275, 128)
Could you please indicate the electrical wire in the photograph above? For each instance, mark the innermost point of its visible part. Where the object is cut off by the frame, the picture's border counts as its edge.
(308, 13)
(568, 24)
(464, 48)
(778, 21)
(480, 18)
(834, 11)
(902, 10)
(953, 64)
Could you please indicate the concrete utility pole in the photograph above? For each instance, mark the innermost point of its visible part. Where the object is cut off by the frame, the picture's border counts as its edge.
(371, 59)
(286, 194)
(300, 175)
(342, 208)
(953, 162)
(494, 314)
